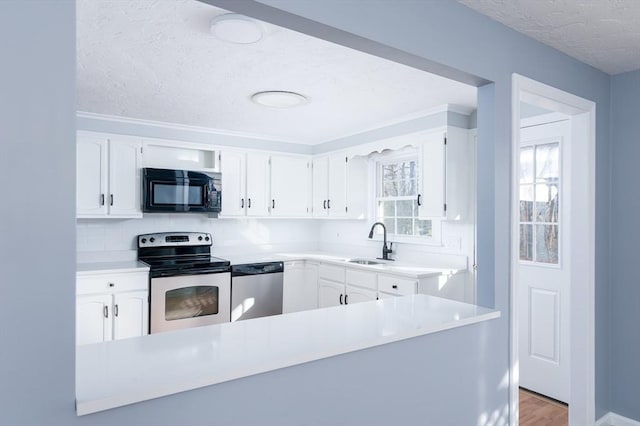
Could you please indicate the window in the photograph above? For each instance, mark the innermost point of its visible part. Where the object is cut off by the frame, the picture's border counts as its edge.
(396, 198)
(539, 202)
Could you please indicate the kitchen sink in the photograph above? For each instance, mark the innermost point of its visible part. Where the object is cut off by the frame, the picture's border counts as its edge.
(364, 262)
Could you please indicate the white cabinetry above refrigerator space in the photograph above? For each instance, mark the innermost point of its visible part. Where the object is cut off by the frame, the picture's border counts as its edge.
(262, 185)
(108, 176)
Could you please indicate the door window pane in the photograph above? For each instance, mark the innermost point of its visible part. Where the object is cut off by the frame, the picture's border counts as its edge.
(526, 165)
(547, 243)
(526, 242)
(526, 203)
(405, 227)
(548, 162)
(547, 202)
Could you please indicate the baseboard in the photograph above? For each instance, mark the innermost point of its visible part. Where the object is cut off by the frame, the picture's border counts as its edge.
(613, 419)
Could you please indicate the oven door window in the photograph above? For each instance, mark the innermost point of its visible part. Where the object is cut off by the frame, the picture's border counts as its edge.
(191, 302)
(174, 194)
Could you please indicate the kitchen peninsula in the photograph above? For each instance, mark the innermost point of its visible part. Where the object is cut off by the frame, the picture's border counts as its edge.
(122, 372)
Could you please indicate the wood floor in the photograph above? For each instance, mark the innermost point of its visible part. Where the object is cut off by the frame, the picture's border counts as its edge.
(536, 410)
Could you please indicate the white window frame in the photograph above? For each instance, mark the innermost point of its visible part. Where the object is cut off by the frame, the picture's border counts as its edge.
(377, 160)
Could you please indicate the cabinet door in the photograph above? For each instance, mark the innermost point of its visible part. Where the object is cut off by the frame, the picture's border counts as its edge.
(294, 286)
(125, 159)
(329, 293)
(91, 176)
(234, 183)
(258, 196)
(431, 198)
(357, 295)
(130, 314)
(320, 187)
(93, 319)
(357, 187)
(337, 202)
(290, 186)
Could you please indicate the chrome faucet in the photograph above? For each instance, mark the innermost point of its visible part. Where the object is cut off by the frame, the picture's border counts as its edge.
(386, 251)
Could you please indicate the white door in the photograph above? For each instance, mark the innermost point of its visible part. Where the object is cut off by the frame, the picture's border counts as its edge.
(91, 176)
(130, 314)
(258, 196)
(357, 295)
(431, 198)
(337, 202)
(320, 187)
(234, 183)
(125, 159)
(290, 182)
(93, 319)
(544, 266)
(330, 293)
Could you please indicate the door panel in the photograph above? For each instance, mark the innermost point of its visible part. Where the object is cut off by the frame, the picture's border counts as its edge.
(91, 175)
(258, 195)
(544, 268)
(432, 180)
(329, 293)
(130, 314)
(93, 319)
(337, 201)
(290, 181)
(234, 184)
(320, 187)
(358, 295)
(124, 178)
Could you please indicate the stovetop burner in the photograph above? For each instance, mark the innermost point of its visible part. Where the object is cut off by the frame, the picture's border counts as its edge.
(179, 253)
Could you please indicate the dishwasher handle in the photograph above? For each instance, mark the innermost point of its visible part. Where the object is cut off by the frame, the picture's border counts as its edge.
(257, 269)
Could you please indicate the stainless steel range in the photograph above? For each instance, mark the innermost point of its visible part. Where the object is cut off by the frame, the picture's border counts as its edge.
(188, 287)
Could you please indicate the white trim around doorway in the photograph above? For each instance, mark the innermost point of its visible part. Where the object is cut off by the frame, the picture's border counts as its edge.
(582, 303)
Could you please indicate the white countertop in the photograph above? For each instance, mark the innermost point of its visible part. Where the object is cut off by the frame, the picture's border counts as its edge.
(121, 372)
(392, 267)
(109, 267)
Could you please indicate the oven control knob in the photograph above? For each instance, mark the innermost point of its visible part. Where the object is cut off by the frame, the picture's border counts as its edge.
(144, 240)
(151, 239)
(206, 238)
(200, 238)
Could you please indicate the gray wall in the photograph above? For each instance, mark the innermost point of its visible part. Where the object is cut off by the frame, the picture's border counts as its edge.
(454, 377)
(625, 235)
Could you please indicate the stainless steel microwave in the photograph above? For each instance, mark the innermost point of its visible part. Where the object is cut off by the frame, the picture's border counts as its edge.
(181, 191)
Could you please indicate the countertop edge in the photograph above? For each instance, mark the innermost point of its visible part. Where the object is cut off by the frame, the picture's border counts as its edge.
(101, 404)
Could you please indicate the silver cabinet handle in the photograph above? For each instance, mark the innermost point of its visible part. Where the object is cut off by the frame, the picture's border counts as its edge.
(106, 312)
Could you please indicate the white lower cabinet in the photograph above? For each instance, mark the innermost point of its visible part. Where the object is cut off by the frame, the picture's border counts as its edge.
(329, 293)
(357, 295)
(300, 286)
(111, 306)
(343, 286)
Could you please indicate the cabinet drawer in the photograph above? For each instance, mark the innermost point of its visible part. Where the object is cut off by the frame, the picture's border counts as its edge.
(330, 272)
(109, 283)
(396, 285)
(362, 278)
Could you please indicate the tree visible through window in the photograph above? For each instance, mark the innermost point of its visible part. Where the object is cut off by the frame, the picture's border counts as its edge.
(396, 201)
(539, 202)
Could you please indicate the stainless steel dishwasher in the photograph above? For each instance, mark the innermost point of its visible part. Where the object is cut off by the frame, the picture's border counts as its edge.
(256, 290)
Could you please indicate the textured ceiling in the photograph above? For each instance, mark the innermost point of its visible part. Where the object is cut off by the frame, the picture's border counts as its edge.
(157, 60)
(602, 33)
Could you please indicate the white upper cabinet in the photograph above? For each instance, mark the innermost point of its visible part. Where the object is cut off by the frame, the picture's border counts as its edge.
(125, 160)
(320, 186)
(108, 176)
(259, 184)
(446, 167)
(233, 165)
(290, 186)
(339, 186)
(91, 182)
(258, 194)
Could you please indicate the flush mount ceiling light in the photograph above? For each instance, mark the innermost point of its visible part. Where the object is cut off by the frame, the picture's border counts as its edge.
(236, 28)
(278, 99)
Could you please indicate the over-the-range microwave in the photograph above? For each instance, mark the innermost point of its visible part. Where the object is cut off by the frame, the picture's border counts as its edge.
(181, 191)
